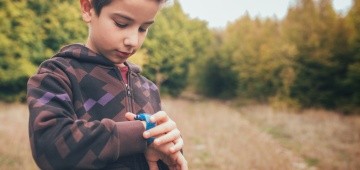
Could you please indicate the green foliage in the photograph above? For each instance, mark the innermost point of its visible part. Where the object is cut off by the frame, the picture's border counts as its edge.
(215, 77)
(352, 80)
(172, 44)
(30, 32)
(260, 58)
(325, 56)
(61, 24)
(315, 25)
(18, 37)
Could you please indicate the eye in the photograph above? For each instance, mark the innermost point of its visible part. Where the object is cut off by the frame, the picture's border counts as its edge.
(142, 29)
(120, 25)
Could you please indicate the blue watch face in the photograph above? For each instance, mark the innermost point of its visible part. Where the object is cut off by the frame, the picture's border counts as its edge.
(149, 125)
(145, 117)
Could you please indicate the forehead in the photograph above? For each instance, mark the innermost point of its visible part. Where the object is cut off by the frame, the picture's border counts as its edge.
(135, 9)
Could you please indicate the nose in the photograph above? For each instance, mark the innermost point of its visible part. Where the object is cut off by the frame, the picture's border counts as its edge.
(132, 38)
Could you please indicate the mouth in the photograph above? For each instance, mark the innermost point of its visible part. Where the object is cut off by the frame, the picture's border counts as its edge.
(123, 54)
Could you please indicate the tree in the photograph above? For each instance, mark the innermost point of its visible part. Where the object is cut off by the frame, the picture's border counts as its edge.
(352, 81)
(20, 40)
(259, 56)
(311, 26)
(172, 44)
(214, 75)
(61, 24)
(30, 32)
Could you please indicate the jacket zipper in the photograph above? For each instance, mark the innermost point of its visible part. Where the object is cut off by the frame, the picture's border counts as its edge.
(127, 89)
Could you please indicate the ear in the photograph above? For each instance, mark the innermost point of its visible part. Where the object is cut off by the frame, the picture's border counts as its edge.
(86, 10)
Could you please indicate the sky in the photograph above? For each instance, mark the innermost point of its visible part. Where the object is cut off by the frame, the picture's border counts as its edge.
(219, 12)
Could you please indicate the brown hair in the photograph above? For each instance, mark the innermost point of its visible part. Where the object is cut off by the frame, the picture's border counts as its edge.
(99, 4)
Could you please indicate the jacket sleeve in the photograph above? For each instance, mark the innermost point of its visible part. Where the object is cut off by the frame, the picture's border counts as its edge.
(59, 140)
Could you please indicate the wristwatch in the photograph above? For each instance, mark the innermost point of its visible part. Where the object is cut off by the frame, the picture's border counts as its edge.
(149, 125)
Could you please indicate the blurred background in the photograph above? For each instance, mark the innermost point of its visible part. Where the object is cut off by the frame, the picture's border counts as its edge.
(255, 92)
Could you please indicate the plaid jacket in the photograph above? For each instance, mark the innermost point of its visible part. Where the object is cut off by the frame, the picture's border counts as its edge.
(77, 102)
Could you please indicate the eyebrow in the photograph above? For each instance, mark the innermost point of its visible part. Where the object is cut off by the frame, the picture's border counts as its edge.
(130, 19)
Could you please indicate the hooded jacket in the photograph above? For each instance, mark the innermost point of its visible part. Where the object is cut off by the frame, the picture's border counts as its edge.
(77, 103)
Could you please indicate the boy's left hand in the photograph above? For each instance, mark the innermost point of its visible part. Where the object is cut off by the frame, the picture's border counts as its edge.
(166, 131)
(175, 161)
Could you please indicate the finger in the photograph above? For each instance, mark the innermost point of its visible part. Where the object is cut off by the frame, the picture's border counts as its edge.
(159, 117)
(160, 129)
(168, 137)
(184, 165)
(178, 145)
(181, 161)
(153, 165)
(130, 116)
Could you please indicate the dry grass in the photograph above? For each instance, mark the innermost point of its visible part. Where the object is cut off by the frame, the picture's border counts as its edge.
(325, 140)
(14, 141)
(220, 137)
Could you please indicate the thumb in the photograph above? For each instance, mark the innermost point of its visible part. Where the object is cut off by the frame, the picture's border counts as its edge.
(130, 116)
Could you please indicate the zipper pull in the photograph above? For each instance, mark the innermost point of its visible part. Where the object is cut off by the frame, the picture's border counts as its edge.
(128, 91)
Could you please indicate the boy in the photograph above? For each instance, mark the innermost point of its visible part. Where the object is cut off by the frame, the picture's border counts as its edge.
(82, 100)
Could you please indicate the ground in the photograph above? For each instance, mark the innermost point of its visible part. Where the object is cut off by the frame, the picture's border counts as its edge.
(220, 136)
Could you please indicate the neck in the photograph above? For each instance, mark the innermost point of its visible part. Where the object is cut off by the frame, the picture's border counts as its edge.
(121, 65)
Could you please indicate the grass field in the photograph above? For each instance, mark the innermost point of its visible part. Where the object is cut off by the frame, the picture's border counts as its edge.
(325, 140)
(221, 137)
(14, 142)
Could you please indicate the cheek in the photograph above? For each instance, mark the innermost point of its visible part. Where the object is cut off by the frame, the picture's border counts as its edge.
(106, 33)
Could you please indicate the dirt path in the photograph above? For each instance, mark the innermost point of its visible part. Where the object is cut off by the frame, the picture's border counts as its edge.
(217, 137)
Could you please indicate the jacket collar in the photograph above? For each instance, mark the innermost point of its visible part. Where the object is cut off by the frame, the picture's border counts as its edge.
(85, 55)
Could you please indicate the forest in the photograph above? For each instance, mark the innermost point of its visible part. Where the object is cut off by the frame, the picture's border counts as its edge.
(308, 59)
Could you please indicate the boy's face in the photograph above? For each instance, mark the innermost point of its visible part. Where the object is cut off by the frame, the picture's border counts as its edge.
(121, 27)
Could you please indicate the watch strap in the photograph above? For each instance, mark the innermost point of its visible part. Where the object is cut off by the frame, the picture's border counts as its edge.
(149, 125)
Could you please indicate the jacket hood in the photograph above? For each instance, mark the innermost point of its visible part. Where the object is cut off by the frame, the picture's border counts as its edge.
(85, 55)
